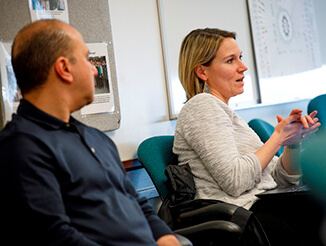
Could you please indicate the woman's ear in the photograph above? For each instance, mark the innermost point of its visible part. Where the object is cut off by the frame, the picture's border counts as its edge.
(62, 67)
(200, 72)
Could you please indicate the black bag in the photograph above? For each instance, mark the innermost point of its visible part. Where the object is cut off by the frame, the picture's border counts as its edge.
(181, 183)
(181, 199)
(181, 186)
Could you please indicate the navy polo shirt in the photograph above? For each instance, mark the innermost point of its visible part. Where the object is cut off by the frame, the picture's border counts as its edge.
(64, 184)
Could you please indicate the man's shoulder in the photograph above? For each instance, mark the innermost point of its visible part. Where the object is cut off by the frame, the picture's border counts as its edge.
(17, 124)
(9, 128)
(15, 130)
(20, 132)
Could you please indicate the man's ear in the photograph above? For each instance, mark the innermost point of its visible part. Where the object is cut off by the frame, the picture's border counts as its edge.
(62, 67)
(201, 72)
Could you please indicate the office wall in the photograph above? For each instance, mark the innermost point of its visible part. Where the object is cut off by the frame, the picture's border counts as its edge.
(140, 74)
(142, 89)
(140, 70)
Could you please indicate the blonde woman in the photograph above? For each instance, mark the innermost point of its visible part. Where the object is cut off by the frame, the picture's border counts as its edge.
(227, 158)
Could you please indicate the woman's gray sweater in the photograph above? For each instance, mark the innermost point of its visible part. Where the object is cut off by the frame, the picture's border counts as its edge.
(219, 147)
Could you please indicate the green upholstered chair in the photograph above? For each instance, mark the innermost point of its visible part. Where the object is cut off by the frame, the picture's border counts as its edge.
(155, 154)
(313, 165)
(264, 130)
(313, 156)
(319, 103)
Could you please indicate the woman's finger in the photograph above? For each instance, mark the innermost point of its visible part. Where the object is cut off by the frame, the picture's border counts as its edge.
(313, 114)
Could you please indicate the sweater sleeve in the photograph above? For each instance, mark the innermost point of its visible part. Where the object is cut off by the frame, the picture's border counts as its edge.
(207, 126)
(281, 177)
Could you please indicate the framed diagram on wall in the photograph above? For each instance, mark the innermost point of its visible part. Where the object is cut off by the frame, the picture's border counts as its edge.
(287, 50)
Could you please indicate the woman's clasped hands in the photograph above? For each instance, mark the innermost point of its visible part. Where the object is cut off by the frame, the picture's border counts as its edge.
(296, 128)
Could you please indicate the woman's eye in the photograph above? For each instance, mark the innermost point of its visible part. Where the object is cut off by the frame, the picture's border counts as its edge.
(240, 57)
(230, 60)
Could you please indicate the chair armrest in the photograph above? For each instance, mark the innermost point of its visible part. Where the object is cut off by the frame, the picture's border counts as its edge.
(183, 240)
(216, 230)
(218, 211)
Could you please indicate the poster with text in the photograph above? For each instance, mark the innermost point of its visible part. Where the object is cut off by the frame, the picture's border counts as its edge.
(49, 9)
(103, 98)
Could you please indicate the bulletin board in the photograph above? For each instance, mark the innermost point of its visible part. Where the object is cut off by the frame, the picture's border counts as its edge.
(92, 20)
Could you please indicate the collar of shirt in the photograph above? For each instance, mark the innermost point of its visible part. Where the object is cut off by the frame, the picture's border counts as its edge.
(29, 111)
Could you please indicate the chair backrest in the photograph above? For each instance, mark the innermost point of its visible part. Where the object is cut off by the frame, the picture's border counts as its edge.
(264, 130)
(318, 103)
(155, 154)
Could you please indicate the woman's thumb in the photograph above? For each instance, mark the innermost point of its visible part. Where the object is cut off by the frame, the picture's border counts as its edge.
(279, 118)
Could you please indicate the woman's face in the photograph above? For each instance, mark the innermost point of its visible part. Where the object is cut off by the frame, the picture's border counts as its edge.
(225, 74)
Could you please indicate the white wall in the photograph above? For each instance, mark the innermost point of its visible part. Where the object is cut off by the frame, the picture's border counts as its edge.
(141, 82)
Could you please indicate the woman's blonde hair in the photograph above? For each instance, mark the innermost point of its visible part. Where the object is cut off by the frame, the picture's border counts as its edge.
(199, 47)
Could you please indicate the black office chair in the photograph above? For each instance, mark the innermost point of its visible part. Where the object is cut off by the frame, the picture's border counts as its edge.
(209, 225)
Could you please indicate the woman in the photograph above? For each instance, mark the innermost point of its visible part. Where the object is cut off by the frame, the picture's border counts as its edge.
(227, 158)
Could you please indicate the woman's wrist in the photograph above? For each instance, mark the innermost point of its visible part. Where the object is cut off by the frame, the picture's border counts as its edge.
(294, 146)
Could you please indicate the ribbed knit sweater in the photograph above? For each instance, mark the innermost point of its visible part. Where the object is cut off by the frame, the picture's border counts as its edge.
(219, 147)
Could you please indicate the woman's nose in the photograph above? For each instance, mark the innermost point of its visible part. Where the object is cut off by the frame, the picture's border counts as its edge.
(242, 66)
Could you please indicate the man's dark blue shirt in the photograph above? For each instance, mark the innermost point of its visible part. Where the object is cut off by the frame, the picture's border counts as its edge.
(64, 184)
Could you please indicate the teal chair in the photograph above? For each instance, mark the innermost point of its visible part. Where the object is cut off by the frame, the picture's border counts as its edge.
(313, 157)
(155, 154)
(264, 130)
(318, 103)
(313, 164)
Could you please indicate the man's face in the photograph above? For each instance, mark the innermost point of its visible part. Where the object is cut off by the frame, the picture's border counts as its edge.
(84, 72)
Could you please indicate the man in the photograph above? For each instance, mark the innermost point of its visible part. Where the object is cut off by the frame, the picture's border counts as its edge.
(62, 183)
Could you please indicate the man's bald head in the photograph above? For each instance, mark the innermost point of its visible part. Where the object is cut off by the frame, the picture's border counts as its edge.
(35, 49)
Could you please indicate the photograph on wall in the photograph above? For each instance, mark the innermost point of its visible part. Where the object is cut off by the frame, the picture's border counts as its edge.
(287, 49)
(10, 91)
(49, 9)
(103, 98)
